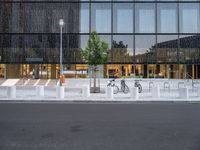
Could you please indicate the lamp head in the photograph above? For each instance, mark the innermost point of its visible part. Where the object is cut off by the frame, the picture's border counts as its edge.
(61, 22)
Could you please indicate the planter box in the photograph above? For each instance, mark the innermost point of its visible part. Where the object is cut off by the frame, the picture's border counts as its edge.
(94, 90)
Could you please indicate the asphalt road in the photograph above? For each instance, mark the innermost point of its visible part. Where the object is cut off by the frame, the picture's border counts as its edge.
(153, 126)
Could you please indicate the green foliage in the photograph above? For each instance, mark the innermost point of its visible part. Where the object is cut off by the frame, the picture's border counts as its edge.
(96, 52)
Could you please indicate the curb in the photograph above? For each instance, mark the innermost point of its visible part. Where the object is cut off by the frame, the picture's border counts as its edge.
(140, 101)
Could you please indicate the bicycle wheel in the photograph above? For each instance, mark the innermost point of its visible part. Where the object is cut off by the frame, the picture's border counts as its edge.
(125, 89)
(115, 89)
(139, 88)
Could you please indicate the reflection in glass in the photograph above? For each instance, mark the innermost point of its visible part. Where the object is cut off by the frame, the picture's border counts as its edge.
(101, 17)
(145, 48)
(106, 38)
(83, 41)
(189, 18)
(145, 18)
(189, 48)
(84, 18)
(123, 18)
(122, 48)
(167, 18)
(167, 48)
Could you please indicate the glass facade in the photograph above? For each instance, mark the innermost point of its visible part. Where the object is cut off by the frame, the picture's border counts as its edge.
(146, 37)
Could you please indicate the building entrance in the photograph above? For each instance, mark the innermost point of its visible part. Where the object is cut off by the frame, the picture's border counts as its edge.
(35, 71)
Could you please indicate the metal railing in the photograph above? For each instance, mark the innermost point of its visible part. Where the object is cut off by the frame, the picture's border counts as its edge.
(166, 86)
(151, 84)
(188, 76)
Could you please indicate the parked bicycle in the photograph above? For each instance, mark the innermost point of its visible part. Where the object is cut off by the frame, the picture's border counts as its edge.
(124, 87)
(138, 85)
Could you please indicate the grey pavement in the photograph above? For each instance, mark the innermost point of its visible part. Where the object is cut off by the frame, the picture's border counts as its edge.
(65, 126)
(73, 90)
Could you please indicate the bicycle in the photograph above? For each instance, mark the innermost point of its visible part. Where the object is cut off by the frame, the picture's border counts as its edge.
(112, 84)
(124, 87)
(138, 85)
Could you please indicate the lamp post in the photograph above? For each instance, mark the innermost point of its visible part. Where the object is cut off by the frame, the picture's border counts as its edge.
(61, 24)
(147, 61)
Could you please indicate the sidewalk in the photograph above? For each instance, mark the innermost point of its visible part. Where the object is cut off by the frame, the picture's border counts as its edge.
(73, 91)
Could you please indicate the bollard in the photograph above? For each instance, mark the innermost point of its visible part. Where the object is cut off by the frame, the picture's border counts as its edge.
(134, 93)
(11, 92)
(183, 93)
(198, 91)
(109, 92)
(60, 92)
(40, 91)
(155, 92)
(86, 91)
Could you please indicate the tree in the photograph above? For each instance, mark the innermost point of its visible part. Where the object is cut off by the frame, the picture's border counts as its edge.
(95, 53)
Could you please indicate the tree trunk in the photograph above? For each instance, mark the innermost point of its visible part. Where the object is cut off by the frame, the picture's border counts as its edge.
(94, 86)
(94, 80)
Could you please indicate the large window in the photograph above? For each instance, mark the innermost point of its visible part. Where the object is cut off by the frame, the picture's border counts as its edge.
(123, 18)
(84, 18)
(167, 47)
(189, 18)
(122, 48)
(107, 38)
(167, 18)
(145, 18)
(101, 17)
(145, 48)
(189, 48)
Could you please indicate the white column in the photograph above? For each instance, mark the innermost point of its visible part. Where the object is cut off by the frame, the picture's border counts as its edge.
(183, 93)
(40, 91)
(60, 92)
(155, 92)
(11, 92)
(134, 93)
(86, 91)
(109, 92)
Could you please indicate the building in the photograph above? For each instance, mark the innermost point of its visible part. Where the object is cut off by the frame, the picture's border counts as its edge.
(146, 38)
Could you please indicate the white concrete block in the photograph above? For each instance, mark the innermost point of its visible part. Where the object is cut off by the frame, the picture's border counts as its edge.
(134, 93)
(198, 91)
(155, 92)
(86, 91)
(40, 91)
(60, 92)
(11, 92)
(109, 92)
(183, 93)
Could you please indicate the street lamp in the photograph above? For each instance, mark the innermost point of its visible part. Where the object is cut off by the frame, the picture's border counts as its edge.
(147, 61)
(61, 24)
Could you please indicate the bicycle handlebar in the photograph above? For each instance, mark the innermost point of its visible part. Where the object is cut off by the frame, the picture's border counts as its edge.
(137, 80)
